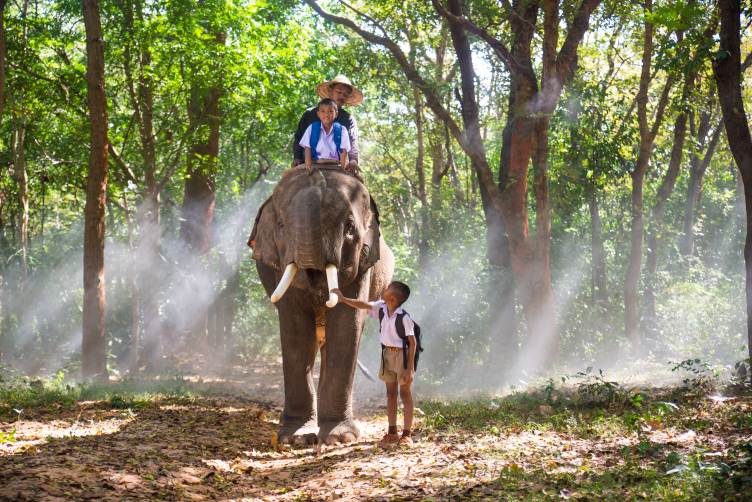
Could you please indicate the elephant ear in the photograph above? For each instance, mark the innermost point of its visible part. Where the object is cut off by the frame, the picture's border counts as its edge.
(262, 237)
(369, 254)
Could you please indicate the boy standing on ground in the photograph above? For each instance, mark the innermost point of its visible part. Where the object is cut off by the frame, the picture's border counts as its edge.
(325, 140)
(397, 366)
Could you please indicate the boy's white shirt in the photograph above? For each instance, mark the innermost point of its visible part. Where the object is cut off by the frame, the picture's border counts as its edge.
(388, 331)
(326, 149)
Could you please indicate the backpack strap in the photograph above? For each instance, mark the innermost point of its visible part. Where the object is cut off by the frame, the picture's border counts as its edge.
(315, 135)
(338, 136)
(399, 324)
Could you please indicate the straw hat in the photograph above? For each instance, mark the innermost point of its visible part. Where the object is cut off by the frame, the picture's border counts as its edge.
(324, 90)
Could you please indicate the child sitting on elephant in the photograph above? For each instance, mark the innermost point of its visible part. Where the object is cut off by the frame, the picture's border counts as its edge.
(326, 140)
(398, 355)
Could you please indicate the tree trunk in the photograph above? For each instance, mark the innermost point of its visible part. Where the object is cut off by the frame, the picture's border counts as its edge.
(647, 138)
(503, 321)
(2, 58)
(133, 350)
(94, 355)
(598, 288)
(697, 168)
(222, 314)
(727, 71)
(149, 212)
(659, 209)
(21, 175)
(198, 195)
(425, 229)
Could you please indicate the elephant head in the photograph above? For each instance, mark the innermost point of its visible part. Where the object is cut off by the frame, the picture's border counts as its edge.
(321, 229)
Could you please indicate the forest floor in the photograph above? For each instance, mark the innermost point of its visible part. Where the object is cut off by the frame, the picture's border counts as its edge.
(188, 439)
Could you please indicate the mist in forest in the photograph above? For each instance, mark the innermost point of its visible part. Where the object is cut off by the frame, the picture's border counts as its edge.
(42, 319)
(700, 314)
(700, 311)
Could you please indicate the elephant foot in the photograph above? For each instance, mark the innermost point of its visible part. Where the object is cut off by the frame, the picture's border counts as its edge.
(298, 432)
(338, 431)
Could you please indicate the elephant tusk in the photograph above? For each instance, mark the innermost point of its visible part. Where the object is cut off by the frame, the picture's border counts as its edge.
(331, 282)
(285, 282)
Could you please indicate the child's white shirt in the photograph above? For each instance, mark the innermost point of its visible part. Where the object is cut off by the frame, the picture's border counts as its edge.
(326, 149)
(388, 330)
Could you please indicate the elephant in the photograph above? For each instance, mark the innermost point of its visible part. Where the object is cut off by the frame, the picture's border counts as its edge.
(319, 230)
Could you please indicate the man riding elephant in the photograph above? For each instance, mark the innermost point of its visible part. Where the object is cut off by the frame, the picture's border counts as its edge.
(341, 90)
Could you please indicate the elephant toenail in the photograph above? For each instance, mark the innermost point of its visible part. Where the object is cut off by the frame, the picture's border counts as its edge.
(348, 437)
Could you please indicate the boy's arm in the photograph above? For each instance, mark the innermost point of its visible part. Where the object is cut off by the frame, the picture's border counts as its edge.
(411, 347)
(356, 304)
(343, 160)
(308, 158)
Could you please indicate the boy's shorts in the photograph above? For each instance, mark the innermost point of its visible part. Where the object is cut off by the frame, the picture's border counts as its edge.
(392, 366)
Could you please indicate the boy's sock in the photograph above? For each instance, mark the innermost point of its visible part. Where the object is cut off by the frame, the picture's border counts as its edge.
(406, 433)
(392, 429)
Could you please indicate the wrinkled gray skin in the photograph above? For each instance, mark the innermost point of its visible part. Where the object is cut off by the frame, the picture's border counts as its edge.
(313, 220)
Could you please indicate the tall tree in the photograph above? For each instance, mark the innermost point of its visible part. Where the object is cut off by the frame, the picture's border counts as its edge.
(664, 192)
(2, 58)
(94, 356)
(648, 133)
(727, 69)
(139, 80)
(18, 150)
(199, 192)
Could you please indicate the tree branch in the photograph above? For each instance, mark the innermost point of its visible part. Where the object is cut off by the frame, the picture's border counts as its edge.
(501, 50)
(432, 99)
(660, 110)
(115, 155)
(566, 61)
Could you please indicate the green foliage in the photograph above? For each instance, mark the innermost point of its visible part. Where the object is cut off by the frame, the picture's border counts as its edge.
(21, 396)
(734, 478)
(700, 376)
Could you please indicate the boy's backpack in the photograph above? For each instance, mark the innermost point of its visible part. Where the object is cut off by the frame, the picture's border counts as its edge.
(316, 134)
(400, 326)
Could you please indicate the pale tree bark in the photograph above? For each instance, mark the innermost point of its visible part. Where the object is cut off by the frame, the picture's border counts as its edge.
(94, 355)
(647, 140)
(728, 77)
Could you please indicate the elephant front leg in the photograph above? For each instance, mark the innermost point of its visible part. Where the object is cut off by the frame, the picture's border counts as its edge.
(339, 356)
(298, 424)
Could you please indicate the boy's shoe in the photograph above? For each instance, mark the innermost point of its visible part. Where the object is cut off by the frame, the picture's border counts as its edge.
(389, 440)
(406, 441)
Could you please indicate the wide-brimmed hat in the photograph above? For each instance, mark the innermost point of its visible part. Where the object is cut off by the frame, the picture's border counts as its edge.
(324, 90)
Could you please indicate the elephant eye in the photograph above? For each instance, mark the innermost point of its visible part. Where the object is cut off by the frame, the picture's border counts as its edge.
(349, 229)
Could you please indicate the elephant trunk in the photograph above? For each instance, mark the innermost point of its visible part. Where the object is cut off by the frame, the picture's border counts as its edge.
(307, 230)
